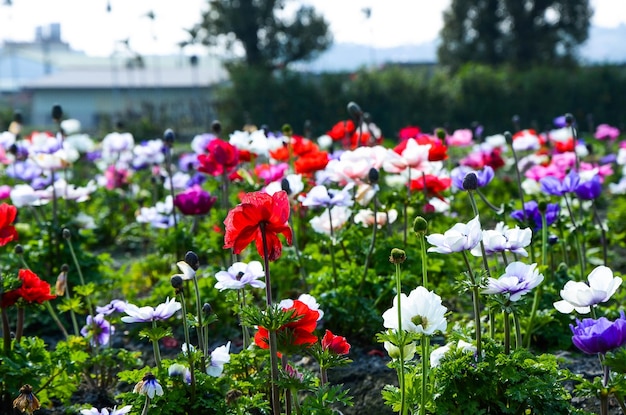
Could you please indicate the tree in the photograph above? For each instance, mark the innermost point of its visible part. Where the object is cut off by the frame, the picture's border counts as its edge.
(518, 32)
(267, 39)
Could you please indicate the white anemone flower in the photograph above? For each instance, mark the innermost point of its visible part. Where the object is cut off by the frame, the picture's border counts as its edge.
(239, 275)
(339, 216)
(437, 354)
(320, 196)
(504, 239)
(461, 237)
(93, 411)
(145, 314)
(219, 357)
(187, 273)
(576, 295)
(148, 386)
(517, 280)
(421, 312)
(365, 217)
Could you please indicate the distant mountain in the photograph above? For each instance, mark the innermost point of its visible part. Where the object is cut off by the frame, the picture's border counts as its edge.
(605, 45)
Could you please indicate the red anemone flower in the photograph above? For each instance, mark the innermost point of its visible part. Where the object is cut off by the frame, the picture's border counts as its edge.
(434, 185)
(7, 230)
(222, 157)
(296, 333)
(336, 344)
(257, 211)
(32, 290)
(311, 163)
(342, 130)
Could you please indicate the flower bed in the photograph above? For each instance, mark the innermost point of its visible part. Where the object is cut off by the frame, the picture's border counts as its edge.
(240, 275)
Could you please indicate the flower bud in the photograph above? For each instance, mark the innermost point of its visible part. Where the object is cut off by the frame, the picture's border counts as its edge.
(542, 206)
(216, 127)
(65, 268)
(169, 137)
(397, 256)
(177, 282)
(354, 110)
(67, 234)
(420, 225)
(287, 130)
(470, 182)
(373, 175)
(284, 185)
(440, 133)
(207, 309)
(508, 137)
(569, 119)
(57, 112)
(17, 117)
(19, 249)
(192, 260)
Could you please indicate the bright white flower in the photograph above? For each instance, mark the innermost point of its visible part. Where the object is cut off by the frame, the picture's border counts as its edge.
(70, 126)
(421, 312)
(145, 314)
(365, 192)
(339, 216)
(219, 357)
(177, 369)
(502, 239)
(296, 185)
(526, 140)
(67, 191)
(365, 217)
(148, 386)
(117, 142)
(180, 180)
(148, 153)
(461, 237)
(439, 205)
(531, 187)
(320, 196)
(414, 156)
(187, 273)
(81, 142)
(239, 275)
(324, 142)
(437, 354)
(394, 351)
(24, 195)
(579, 296)
(517, 280)
(93, 411)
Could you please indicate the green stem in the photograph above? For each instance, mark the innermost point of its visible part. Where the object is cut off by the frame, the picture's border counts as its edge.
(403, 408)
(201, 328)
(244, 330)
(422, 238)
(425, 369)
(186, 333)
(476, 303)
(580, 248)
(507, 333)
(272, 333)
(482, 244)
(80, 273)
(518, 331)
(518, 176)
(56, 319)
(602, 233)
(72, 313)
(535, 306)
(146, 406)
(332, 247)
(155, 348)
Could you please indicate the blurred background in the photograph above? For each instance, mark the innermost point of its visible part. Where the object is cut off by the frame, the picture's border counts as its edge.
(148, 65)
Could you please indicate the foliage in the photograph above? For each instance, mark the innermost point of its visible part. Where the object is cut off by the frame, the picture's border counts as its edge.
(519, 33)
(268, 39)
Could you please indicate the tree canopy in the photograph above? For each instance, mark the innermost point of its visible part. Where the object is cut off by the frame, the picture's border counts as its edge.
(518, 32)
(260, 27)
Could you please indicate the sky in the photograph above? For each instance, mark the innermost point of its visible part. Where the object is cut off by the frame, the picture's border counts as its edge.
(87, 26)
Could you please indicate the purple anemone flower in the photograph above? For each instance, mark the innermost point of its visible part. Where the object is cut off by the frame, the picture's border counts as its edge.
(484, 176)
(532, 213)
(599, 336)
(194, 201)
(98, 330)
(589, 190)
(555, 187)
(115, 306)
(146, 314)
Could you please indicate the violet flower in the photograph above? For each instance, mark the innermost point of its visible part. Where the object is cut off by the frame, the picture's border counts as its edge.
(517, 280)
(599, 336)
(146, 314)
(555, 187)
(98, 330)
(532, 213)
(219, 357)
(194, 201)
(320, 196)
(115, 306)
(484, 176)
(590, 189)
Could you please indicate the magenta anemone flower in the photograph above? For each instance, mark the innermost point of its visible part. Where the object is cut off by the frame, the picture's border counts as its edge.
(194, 201)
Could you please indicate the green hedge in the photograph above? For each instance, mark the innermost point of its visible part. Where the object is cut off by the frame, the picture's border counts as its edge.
(425, 96)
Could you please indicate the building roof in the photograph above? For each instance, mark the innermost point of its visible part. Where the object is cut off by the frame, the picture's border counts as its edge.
(132, 78)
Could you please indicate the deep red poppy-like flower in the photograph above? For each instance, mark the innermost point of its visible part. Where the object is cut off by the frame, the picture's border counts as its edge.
(336, 344)
(342, 130)
(32, 290)
(409, 132)
(311, 163)
(222, 157)
(259, 210)
(194, 201)
(296, 333)
(564, 146)
(434, 185)
(7, 230)
(300, 147)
